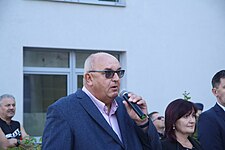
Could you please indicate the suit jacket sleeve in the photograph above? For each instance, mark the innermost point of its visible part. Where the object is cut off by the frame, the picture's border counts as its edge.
(57, 132)
(150, 139)
(209, 132)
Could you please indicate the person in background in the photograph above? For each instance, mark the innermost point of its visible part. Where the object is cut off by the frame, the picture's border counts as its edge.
(211, 124)
(94, 117)
(159, 123)
(11, 132)
(199, 107)
(180, 119)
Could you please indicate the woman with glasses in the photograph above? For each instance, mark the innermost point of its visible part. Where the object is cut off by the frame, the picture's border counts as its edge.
(180, 120)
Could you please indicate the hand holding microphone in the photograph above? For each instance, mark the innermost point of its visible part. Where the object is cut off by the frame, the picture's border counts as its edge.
(133, 105)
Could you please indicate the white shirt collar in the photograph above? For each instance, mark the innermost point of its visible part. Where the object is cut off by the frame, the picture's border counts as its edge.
(221, 106)
(100, 105)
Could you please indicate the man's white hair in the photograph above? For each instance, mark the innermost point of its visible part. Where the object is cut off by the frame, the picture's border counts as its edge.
(6, 96)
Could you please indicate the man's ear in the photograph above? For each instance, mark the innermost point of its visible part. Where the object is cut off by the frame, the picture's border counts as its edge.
(214, 91)
(88, 78)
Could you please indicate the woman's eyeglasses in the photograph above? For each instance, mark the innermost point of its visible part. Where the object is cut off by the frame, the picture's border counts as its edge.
(110, 73)
(158, 118)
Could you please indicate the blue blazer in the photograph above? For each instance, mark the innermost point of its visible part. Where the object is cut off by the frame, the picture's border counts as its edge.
(75, 123)
(211, 129)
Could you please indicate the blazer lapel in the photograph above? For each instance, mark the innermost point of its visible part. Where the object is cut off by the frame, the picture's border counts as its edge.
(220, 113)
(122, 121)
(96, 115)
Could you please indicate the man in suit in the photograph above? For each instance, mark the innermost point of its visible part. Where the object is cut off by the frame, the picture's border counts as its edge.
(211, 125)
(95, 117)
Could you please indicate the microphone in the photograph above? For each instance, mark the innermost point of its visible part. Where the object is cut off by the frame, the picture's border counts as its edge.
(134, 106)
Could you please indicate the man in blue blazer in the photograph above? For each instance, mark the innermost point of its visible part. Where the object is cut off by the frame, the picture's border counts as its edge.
(95, 118)
(211, 125)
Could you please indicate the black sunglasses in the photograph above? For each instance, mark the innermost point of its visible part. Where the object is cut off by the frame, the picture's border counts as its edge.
(158, 118)
(110, 73)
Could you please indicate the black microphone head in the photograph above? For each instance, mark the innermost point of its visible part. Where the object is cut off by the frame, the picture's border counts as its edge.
(134, 106)
(124, 94)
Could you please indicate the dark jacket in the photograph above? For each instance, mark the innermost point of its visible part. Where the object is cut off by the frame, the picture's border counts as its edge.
(75, 123)
(211, 129)
(174, 145)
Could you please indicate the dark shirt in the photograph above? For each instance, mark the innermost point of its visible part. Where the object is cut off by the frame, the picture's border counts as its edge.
(168, 144)
(161, 136)
(12, 130)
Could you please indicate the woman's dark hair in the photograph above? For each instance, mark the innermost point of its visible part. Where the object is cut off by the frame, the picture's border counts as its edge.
(174, 111)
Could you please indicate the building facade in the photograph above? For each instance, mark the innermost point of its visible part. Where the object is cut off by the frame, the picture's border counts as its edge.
(166, 48)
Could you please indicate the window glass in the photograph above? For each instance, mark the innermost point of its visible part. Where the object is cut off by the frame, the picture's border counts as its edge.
(43, 58)
(40, 91)
(81, 57)
(79, 81)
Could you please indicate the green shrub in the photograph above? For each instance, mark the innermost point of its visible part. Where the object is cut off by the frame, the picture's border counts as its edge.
(28, 143)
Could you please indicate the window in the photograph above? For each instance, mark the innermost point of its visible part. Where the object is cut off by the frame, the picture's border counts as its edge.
(39, 92)
(49, 74)
(45, 58)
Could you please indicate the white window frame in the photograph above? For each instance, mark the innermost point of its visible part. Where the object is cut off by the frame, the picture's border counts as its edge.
(96, 2)
(72, 71)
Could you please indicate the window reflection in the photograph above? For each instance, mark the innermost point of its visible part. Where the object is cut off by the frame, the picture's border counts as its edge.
(43, 58)
(40, 91)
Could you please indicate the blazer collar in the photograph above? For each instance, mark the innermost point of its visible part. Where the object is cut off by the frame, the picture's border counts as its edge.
(122, 121)
(218, 108)
(219, 111)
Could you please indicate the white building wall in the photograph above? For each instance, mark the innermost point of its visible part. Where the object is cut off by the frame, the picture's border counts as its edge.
(171, 46)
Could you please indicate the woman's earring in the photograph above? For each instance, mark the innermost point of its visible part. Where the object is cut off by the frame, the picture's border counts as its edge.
(173, 127)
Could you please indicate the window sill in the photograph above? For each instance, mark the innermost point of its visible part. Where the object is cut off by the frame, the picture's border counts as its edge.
(94, 2)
